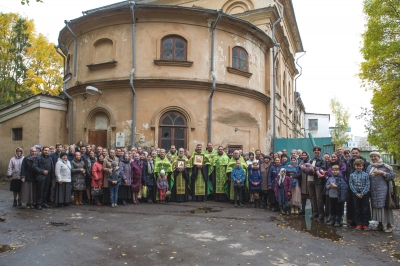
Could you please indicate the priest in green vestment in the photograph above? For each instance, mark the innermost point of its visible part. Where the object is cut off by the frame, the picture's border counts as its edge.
(199, 164)
(221, 188)
(162, 163)
(180, 177)
(210, 153)
(232, 163)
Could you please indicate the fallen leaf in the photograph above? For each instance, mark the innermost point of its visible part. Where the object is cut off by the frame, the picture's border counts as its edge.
(95, 237)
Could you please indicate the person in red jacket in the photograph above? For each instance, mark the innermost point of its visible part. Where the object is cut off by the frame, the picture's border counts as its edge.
(97, 177)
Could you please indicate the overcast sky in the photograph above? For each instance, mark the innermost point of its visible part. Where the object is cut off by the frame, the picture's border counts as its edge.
(330, 30)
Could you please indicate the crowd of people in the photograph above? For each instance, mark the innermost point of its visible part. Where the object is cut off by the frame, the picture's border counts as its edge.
(278, 182)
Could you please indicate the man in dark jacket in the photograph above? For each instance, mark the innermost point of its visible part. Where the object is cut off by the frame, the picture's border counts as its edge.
(316, 184)
(44, 168)
(54, 157)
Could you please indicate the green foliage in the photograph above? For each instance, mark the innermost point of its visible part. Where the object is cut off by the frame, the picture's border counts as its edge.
(29, 64)
(380, 72)
(23, 2)
(339, 132)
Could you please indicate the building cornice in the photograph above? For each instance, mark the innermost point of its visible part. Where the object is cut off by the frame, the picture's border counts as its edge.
(171, 84)
(29, 104)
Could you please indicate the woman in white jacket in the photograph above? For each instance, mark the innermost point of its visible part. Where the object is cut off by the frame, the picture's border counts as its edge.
(63, 178)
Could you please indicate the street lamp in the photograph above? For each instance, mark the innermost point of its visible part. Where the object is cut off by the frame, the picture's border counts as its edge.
(93, 90)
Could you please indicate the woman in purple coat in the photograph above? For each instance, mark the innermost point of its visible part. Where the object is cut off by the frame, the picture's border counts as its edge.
(283, 191)
(124, 190)
(136, 177)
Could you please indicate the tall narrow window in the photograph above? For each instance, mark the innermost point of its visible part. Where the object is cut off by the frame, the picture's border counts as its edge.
(16, 134)
(173, 48)
(172, 130)
(240, 59)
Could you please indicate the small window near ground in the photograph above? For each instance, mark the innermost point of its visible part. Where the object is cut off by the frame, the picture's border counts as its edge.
(313, 124)
(16, 134)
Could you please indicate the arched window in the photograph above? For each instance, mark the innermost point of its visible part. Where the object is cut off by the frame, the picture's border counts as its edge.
(172, 130)
(174, 47)
(240, 59)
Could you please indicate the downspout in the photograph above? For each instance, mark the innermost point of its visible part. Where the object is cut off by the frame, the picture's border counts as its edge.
(133, 134)
(295, 90)
(274, 73)
(214, 77)
(71, 106)
(62, 55)
(75, 44)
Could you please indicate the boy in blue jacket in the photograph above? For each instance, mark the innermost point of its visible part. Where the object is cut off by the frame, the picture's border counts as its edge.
(337, 189)
(238, 176)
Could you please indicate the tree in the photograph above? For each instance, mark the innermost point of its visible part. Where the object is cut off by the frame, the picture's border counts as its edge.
(339, 132)
(380, 72)
(23, 2)
(28, 62)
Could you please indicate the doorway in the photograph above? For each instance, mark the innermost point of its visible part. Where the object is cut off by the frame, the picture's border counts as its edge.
(98, 138)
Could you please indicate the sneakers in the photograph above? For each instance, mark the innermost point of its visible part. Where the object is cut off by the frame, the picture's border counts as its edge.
(365, 228)
(112, 205)
(389, 230)
(358, 227)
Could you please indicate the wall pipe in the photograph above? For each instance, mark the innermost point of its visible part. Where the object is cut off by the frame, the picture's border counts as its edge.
(62, 55)
(75, 44)
(274, 57)
(71, 111)
(295, 90)
(133, 134)
(214, 77)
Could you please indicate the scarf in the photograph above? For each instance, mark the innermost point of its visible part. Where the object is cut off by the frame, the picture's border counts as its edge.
(380, 163)
(281, 177)
(150, 167)
(30, 156)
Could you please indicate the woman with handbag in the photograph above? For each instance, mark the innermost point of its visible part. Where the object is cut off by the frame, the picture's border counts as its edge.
(381, 175)
(124, 190)
(97, 180)
(63, 177)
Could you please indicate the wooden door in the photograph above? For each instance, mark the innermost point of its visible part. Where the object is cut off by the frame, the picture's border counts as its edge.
(98, 138)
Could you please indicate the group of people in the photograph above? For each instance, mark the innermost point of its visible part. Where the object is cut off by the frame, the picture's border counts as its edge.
(276, 181)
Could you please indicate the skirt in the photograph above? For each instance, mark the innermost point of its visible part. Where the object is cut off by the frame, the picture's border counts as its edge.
(28, 192)
(15, 185)
(383, 215)
(296, 195)
(124, 192)
(63, 193)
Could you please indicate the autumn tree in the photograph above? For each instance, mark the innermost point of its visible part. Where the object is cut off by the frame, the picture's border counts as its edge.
(28, 62)
(339, 131)
(380, 72)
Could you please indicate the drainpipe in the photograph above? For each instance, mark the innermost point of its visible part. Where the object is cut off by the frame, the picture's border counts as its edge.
(133, 134)
(214, 77)
(274, 73)
(67, 22)
(295, 90)
(71, 106)
(63, 56)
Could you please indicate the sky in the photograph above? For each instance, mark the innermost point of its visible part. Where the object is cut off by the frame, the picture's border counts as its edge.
(330, 31)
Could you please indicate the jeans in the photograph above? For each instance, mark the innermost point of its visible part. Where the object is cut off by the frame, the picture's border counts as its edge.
(316, 198)
(362, 210)
(238, 192)
(42, 190)
(114, 194)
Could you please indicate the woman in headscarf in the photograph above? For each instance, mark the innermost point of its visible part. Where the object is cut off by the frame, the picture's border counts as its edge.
(305, 159)
(136, 174)
(380, 176)
(63, 184)
(78, 168)
(97, 177)
(14, 174)
(264, 168)
(88, 179)
(28, 179)
(124, 190)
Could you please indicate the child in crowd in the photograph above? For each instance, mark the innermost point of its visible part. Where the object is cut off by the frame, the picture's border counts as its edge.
(295, 200)
(283, 191)
(147, 177)
(238, 176)
(337, 189)
(359, 184)
(255, 180)
(162, 184)
(114, 179)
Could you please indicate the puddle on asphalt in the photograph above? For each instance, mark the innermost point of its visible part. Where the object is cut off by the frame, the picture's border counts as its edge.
(203, 210)
(303, 224)
(6, 248)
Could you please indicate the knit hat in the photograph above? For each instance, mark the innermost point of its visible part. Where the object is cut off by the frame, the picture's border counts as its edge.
(113, 164)
(375, 153)
(267, 156)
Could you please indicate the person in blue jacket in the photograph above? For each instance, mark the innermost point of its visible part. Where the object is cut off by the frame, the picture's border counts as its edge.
(238, 177)
(272, 174)
(255, 179)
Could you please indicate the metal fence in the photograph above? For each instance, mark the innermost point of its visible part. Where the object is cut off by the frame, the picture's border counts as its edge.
(306, 144)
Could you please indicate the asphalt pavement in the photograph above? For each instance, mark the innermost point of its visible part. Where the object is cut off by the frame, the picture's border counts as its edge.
(192, 233)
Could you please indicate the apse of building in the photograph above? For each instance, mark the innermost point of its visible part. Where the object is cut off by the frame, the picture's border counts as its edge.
(166, 47)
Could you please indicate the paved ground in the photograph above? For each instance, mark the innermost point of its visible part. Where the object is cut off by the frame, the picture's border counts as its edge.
(170, 234)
